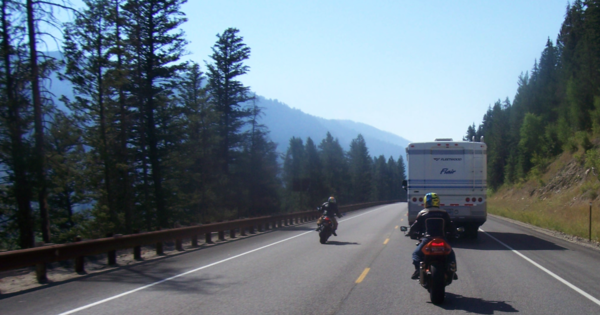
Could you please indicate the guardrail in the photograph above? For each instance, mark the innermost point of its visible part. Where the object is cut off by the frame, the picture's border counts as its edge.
(40, 256)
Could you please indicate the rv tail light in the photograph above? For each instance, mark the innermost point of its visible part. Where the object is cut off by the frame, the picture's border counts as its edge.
(480, 199)
(414, 199)
(468, 199)
(420, 199)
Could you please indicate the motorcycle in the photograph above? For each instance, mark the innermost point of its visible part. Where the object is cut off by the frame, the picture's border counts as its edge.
(435, 272)
(325, 229)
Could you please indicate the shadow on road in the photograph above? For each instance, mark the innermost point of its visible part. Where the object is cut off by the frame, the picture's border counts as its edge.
(475, 305)
(515, 240)
(341, 243)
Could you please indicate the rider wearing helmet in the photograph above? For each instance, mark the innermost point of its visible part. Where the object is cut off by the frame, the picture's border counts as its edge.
(330, 209)
(431, 228)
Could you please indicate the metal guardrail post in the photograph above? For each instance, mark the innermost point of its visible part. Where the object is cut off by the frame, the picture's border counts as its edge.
(79, 261)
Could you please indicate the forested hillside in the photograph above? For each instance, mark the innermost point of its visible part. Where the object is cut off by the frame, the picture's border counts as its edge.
(556, 108)
(147, 140)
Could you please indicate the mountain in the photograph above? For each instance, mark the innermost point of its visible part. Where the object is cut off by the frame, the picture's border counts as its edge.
(285, 122)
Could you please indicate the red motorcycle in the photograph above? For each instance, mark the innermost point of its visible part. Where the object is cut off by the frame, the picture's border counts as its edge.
(325, 229)
(436, 273)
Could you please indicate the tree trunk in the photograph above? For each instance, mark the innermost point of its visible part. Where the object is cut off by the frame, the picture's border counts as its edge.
(39, 125)
(23, 191)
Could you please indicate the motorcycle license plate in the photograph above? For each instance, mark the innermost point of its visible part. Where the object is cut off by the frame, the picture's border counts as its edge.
(452, 212)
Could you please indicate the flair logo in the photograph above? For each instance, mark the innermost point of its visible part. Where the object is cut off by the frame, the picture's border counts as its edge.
(447, 171)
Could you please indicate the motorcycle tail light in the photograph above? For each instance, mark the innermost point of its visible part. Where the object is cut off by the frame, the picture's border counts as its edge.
(437, 247)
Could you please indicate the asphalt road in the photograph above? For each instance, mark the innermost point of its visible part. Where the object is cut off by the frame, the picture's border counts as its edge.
(365, 270)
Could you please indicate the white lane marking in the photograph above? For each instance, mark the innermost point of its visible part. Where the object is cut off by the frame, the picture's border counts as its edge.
(198, 269)
(565, 282)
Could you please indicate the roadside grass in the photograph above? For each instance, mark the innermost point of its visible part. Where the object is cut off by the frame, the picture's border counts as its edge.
(558, 214)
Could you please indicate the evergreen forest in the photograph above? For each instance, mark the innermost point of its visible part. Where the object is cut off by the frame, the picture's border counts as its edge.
(556, 108)
(150, 140)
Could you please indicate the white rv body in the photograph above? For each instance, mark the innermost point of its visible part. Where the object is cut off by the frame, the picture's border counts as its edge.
(457, 172)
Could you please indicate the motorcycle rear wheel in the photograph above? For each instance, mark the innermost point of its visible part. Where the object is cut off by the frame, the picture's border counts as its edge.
(437, 289)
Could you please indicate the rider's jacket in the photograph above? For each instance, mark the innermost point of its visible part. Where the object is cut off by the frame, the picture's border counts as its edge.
(330, 209)
(434, 222)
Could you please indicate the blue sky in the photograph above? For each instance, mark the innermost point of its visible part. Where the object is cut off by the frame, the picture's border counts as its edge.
(418, 69)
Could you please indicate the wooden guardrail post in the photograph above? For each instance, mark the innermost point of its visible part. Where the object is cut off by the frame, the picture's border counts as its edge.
(221, 235)
(41, 273)
(231, 233)
(41, 270)
(79, 261)
(111, 255)
(159, 245)
(260, 227)
(179, 245)
(194, 240)
(137, 250)
(251, 229)
(242, 231)
(208, 238)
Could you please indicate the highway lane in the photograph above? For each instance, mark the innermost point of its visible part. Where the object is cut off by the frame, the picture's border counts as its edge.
(288, 272)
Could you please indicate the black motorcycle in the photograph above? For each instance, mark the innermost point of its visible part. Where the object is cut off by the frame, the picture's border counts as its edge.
(325, 229)
(435, 271)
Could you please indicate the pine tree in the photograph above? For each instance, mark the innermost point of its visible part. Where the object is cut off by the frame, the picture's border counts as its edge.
(381, 179)
(87, 59)
(335, 169)
(67, 176)
(294, 175)
(314, 172)
(227, 94)
(261, 169)
(359, 163)
(197, 153)
(157, 44)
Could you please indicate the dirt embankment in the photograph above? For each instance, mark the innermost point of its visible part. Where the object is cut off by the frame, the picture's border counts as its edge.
(558, 200)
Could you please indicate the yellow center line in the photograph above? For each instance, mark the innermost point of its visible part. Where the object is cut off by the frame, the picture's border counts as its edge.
(363, 275)
(386, 241)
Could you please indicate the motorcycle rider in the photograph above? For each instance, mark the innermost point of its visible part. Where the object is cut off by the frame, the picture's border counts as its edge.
(330, 209)
(432, 229)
